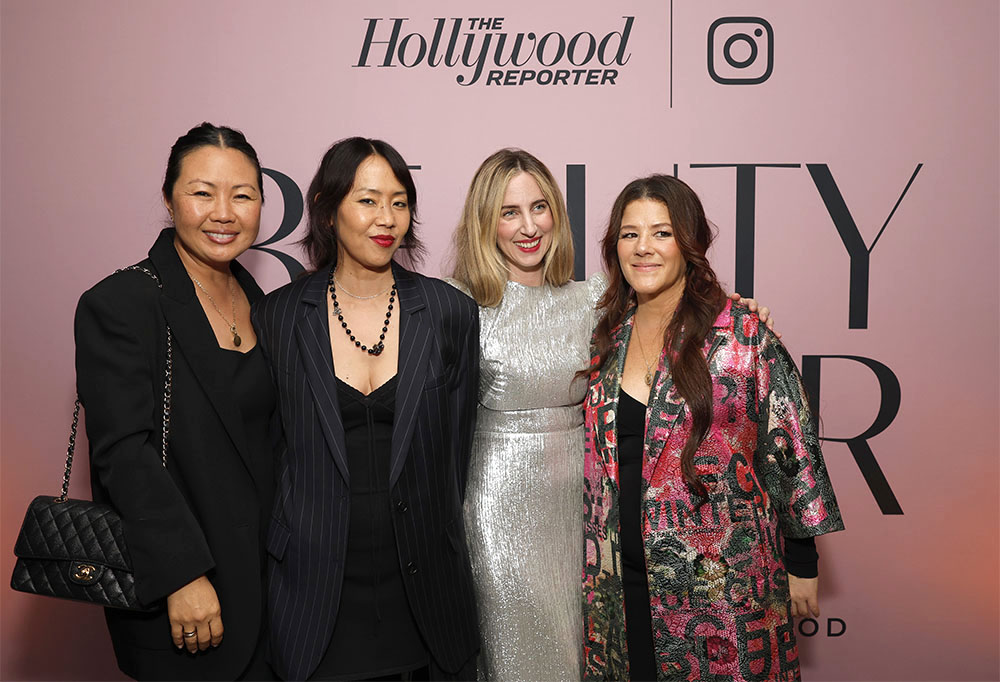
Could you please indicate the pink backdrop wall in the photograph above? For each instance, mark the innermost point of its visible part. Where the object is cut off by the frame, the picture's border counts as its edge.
(94, 93)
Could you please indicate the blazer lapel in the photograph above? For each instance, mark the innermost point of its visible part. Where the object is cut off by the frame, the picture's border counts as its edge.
(664, 412)
(247, 283)
(609, 381)
(666, 407)
(194, 338)
(415, 340)
(312, 332)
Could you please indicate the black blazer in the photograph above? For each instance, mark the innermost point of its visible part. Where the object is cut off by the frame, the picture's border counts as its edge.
(199, 515)
(431, 440)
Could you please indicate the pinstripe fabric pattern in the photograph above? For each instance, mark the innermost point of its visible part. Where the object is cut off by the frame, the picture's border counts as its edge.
(431, 440)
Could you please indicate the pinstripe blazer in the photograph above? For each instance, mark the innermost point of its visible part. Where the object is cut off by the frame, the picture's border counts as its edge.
(431, 441)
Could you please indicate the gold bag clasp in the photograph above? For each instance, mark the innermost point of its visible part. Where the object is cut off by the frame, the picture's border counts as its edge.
(84, 573)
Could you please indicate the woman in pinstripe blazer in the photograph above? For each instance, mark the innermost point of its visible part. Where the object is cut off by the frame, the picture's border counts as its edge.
(377, 372)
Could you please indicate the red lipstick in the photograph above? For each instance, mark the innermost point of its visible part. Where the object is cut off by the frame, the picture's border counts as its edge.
(384, 240)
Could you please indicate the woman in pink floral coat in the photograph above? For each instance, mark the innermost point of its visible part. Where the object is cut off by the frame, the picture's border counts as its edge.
(703, 470)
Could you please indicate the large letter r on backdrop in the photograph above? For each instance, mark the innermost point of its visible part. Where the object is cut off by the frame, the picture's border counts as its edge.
(858, 445)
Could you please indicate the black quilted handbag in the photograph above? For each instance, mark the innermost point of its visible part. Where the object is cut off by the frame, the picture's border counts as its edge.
(75, 549)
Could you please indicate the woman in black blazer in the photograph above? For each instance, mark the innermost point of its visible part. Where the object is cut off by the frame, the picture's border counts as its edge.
(377, 375)
(194, 528)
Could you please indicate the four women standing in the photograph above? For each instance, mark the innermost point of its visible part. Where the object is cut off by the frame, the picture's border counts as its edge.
(377, 372)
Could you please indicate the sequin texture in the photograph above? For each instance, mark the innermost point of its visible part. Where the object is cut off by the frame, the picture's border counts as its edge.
(523, 523)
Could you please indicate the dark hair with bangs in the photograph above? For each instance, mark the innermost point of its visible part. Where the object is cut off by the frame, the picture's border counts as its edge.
(333, 181)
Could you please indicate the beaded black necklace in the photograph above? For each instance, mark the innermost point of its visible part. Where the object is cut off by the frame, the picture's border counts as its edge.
(376, 348)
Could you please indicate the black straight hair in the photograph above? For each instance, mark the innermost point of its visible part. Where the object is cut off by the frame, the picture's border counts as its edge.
(333, 181)
(208, 135)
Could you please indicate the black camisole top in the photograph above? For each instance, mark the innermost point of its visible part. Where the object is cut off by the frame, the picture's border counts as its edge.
(375, 634)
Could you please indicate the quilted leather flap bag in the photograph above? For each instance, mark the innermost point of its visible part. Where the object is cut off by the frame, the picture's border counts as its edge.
(75, 549)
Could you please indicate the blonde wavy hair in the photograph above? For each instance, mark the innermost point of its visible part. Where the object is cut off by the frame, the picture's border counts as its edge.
(479, 265)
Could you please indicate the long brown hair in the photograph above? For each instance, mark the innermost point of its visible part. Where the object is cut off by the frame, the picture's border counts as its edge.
(479, 265)
(699, 306)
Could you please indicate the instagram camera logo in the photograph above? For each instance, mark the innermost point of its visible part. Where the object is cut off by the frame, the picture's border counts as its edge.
(740, 50)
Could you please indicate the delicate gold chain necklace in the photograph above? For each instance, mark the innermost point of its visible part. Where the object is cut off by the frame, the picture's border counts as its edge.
(361, 298)
(232, 325)
(642, 353)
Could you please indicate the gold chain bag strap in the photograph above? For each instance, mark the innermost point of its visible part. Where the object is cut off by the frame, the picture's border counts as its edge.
(75, 549)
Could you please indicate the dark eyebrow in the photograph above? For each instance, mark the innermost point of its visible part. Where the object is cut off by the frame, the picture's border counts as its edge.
(653, 226)
(199, 181)
(375, 191)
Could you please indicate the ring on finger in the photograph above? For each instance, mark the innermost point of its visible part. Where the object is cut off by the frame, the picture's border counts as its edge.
(188, 635)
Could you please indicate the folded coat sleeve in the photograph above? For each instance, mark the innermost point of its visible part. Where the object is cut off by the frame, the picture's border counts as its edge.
(120, 383)
(788, 460)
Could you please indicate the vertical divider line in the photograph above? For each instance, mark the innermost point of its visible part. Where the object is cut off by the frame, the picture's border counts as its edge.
(576, 209)
(671, 40)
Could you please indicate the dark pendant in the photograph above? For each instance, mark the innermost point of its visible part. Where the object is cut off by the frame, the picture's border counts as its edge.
(237, 340)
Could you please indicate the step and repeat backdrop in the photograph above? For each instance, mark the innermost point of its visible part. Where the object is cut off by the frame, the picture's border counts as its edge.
(847, 153)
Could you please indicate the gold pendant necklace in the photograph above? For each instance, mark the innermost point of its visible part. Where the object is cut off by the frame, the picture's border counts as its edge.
(232, 325)
(642, 353)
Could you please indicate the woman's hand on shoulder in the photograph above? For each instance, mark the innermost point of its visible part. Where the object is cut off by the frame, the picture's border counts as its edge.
(804, 593)
(763, 312)
(458, 285)
(597, 284)
(195, 608)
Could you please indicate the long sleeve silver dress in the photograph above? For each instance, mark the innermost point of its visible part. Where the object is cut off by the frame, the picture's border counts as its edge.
(524, 501)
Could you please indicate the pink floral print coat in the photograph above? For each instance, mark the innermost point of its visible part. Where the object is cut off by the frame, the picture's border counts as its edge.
(717, 583)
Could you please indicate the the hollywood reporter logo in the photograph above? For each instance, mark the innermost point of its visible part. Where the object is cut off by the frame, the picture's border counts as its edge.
(475, 45)
(740, 50)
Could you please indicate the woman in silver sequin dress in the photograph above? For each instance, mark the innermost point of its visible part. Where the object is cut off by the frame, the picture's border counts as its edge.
(523, 505)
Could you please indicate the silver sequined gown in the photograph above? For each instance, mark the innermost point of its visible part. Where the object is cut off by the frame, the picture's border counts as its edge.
(524, 502)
